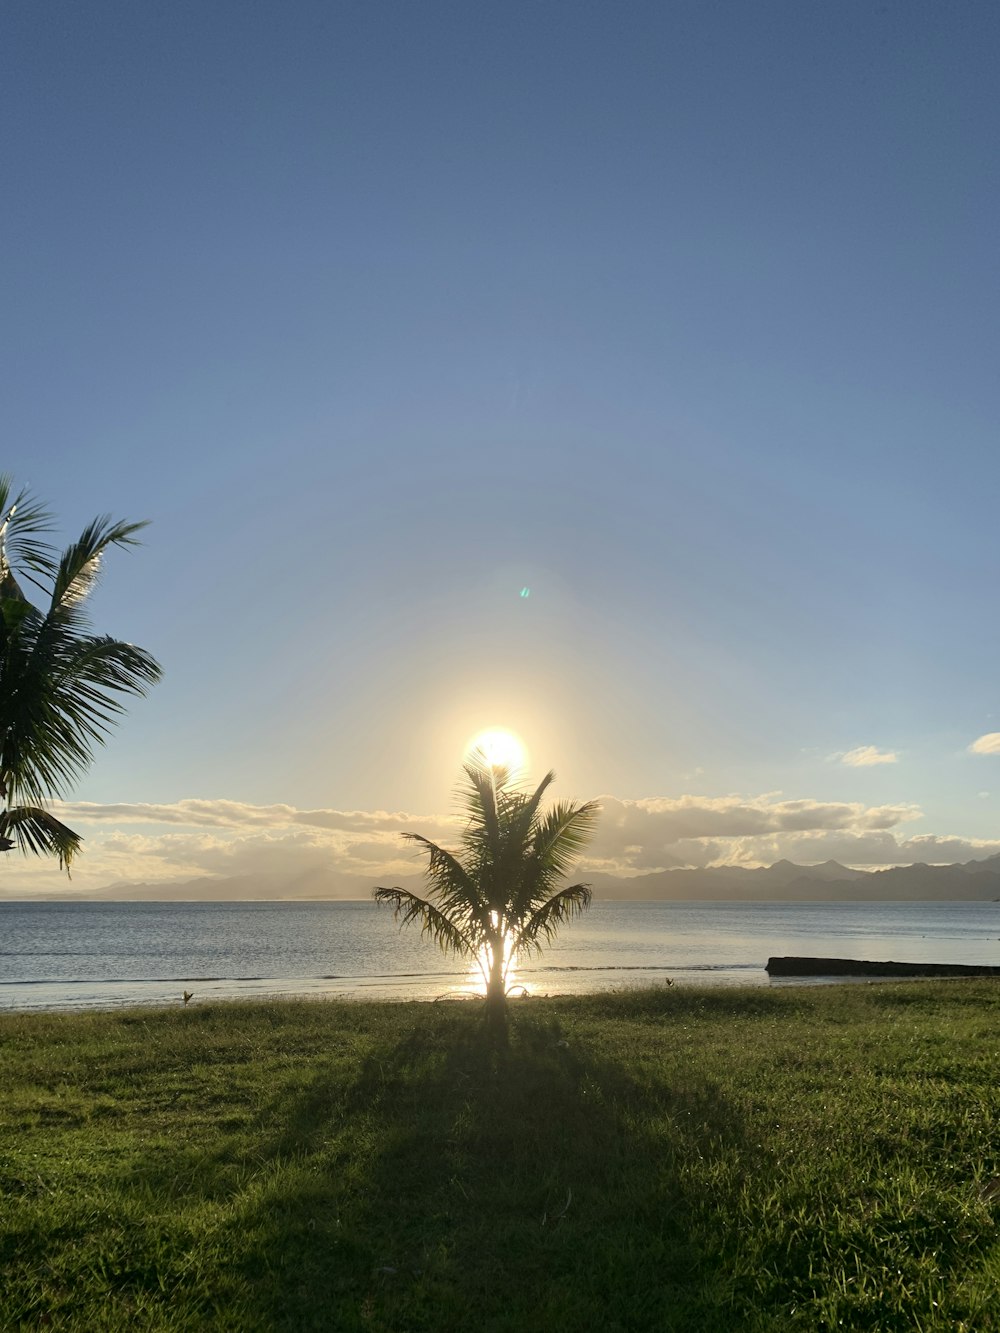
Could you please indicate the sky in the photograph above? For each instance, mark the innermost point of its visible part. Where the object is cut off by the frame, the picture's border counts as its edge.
(682, 317)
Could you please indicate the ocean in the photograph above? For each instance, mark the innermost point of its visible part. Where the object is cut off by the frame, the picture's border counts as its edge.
(75, 955)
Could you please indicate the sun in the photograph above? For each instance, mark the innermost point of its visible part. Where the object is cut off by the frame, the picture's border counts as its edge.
(502, 748)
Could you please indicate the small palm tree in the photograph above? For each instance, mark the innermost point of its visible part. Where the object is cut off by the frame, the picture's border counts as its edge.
(499, 898)
(59, 684)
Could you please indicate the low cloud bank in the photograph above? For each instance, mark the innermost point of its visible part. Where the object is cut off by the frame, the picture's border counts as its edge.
(637, 837)
(323, 852)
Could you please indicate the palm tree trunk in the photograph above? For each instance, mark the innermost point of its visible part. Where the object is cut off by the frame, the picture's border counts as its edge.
(496, 997)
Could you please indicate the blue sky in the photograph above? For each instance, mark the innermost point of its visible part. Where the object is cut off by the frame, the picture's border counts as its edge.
(683, 316)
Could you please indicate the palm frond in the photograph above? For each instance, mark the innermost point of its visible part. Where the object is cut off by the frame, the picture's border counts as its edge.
(520, 819)
(60, 699)
(557, 839)
(60, 686)
(407, 907)
(497, 837)
(457, 891)
(34, 829)
(486, 782)
(79, 565)
(102, 663)
(14, 607)
(444, 867)
(544, 921)
(564, 832)
(530, 808)
(22, 522)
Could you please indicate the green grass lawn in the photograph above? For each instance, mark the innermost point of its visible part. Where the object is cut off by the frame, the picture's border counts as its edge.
(819, 1158)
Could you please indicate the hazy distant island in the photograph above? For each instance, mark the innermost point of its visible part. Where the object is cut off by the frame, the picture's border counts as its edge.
(973, 881)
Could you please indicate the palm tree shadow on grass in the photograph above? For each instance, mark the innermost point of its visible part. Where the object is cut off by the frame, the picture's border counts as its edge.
(531, 1187)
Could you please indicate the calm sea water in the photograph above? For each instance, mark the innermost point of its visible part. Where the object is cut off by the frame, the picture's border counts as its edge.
(97, 955)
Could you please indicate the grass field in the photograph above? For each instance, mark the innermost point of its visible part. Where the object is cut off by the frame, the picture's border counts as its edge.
(707, 1160)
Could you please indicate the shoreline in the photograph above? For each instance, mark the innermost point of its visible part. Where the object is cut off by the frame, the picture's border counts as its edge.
(271, 991)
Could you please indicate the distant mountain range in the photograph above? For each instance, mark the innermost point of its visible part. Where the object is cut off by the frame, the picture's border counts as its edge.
(830, 881)
(782, 882)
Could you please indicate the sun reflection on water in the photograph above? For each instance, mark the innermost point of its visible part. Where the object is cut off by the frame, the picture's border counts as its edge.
(479, 968)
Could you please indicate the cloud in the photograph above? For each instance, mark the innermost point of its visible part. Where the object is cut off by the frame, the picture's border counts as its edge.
(658, 833)
(343, 851)
(988, 744)
(232, 814)
(871, 850)
(864, 756)
(282, 851)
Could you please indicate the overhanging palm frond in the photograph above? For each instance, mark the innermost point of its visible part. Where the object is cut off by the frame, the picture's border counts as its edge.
(60, 701)
(37, 830)
(80, 563)
(61, 686)
(14, 610)
(22, 522)
(95, 665)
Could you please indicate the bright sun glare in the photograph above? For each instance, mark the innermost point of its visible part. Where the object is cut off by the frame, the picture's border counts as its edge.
(501, 747)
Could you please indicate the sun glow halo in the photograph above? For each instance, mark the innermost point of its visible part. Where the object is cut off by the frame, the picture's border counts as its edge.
(501, 747)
